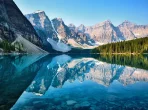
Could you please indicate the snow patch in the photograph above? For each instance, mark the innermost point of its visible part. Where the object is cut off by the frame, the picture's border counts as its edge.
(73, 43)
(99, 43)
(32, 21)
(137, 34)
(38, 11)
(56, 31)
(59, 46)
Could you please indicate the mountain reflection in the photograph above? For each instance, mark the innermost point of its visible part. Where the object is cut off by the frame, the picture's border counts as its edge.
(63, 68)
(16, 73)
(67, 76)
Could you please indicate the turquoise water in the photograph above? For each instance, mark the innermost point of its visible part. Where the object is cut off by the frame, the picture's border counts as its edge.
(61, 82)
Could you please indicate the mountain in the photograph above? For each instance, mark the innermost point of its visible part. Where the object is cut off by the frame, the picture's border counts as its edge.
(50, 31)
(42, 25)
(69, 35)
(16, 29)
(104, 32)
(131, 31)
(72, 26)
(81, 28)
(44, 29)
(84, 37)
(55, 30)
(54, 35)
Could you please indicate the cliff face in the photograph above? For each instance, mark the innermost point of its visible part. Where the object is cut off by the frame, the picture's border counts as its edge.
(130, 30)
(56, 30)
(14, 24)
(5, 31)
(42, 25)
(15, 27)
(85, 36)
(104, 32)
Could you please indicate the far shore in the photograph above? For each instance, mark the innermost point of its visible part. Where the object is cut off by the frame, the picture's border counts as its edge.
(120, 53)
(76, 53)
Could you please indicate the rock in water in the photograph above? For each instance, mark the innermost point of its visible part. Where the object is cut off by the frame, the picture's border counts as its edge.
(85, 104)
(71, 102)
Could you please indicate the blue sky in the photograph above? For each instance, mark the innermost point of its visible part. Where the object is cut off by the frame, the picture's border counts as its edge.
(89, 12)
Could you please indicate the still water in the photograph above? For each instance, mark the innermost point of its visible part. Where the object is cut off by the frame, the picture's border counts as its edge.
(82, 82)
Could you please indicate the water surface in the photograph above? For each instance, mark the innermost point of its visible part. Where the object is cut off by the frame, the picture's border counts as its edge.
(35, 82)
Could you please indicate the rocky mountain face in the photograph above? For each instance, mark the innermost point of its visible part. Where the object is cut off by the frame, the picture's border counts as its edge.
(62, 30)
(57, 30)
(106, 32)
(81, 28)
(14, 26)
(72, 26)
(86, 36)
(54, 34)
(130, 30)
(42, 25)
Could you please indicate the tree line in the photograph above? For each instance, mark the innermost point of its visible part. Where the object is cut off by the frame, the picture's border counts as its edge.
(136, 46)
(8, 47)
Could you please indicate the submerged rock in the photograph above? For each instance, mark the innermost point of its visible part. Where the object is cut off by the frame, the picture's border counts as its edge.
(71, 102)
(37, 102)
(85, 104)
(93, 108)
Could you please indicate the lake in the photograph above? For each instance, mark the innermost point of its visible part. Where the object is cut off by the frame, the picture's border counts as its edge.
(73, 82)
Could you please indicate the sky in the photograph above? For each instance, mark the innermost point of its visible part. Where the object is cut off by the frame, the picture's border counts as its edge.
(89, 12)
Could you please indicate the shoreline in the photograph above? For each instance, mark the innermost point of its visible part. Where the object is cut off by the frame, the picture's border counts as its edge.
(13, 54)
(119, 53)
(76, 53)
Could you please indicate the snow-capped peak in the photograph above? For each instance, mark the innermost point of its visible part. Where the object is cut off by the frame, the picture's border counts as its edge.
(39, 11)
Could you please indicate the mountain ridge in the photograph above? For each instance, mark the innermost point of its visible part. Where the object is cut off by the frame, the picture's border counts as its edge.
(42, 32)
(13, 24)
(61, 31)
(88, 37)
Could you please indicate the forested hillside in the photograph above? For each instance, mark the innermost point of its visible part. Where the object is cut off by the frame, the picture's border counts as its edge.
(135, 46)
